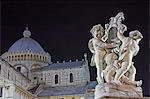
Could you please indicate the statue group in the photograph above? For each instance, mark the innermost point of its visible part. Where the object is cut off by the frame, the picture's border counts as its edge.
(113, 52)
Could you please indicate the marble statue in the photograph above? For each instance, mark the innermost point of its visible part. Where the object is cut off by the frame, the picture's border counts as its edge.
(128, 49)
(113, 56)
(97, 47)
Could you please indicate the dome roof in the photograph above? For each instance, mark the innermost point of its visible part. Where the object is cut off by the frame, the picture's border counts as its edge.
(26, 44)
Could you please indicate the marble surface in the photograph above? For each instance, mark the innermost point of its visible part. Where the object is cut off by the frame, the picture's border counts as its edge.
(114, 90)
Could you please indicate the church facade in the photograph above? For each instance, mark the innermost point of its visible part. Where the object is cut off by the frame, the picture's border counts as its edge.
(27, 72)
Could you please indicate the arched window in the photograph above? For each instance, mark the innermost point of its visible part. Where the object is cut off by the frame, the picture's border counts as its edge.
(21, 57)
(56, 79)
(43, 58)
(1, 91)
(71, 77)
(12, 58)
(15, 57)
(31, 57)
(9, 58)
(35, 78)
(8, 75)
(46, 59)
(18, 57)
(28, 56)
(37, 57)
(25, 56)
(0, 68)
(19, 69)
(34, 57)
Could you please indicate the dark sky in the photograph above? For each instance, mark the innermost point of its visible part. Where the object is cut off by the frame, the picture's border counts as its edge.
(62, 27)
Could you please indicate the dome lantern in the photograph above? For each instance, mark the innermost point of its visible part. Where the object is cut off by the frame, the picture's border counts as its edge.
(26, 32)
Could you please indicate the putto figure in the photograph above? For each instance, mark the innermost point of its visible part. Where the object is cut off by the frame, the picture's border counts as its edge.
(128, 49)
(98, 48)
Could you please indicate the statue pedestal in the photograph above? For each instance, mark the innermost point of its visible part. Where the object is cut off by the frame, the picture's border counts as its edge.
(113, 90)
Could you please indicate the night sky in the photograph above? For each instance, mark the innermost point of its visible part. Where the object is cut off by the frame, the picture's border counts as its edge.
(62, 27)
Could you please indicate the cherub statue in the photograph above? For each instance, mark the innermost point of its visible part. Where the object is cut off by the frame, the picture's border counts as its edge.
(128, 49)
(110, 69)
(97, 47)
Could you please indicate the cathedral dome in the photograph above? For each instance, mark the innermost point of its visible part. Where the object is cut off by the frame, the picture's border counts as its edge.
(26, 44)
(26, 49)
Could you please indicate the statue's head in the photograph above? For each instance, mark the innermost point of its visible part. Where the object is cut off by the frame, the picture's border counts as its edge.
(135, 35)
(97, 31)
(117, 19)
(120, 15)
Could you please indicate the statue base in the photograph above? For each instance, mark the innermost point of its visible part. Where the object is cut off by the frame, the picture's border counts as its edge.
(113, 90)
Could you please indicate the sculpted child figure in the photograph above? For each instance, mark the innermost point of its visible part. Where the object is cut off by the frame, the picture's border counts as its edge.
(128, 49)
(97, 47)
